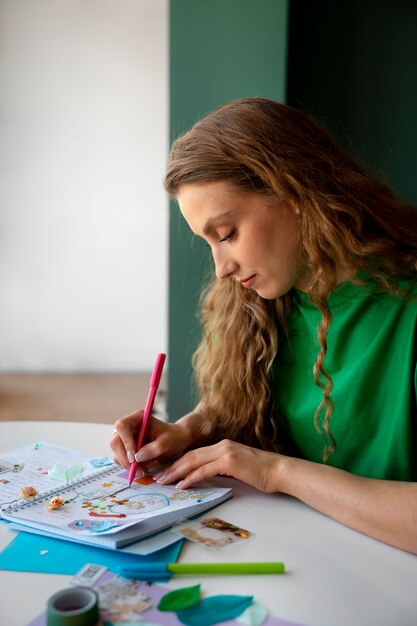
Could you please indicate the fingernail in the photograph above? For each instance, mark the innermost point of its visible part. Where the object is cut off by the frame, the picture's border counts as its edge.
(141, 456)
(130, 456)
(160, 476)
(180, 484)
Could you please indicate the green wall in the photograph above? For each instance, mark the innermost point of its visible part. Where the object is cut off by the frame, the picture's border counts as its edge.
(353, 63)
(219, 50)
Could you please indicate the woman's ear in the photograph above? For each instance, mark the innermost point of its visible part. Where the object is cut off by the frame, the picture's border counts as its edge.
(292, 204)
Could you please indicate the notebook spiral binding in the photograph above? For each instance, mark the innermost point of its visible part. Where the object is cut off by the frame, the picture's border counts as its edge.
(59, 490)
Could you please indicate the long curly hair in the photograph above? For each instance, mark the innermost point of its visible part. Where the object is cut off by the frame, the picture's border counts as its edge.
(349, 222)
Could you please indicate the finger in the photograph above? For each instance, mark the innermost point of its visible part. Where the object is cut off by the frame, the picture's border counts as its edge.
(187, 464)
(149, 452)
(119, 452)
(146, 469)
(123, 442)
(202, 473)
(149, 466)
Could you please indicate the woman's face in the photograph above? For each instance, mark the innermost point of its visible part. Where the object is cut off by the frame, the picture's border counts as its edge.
(253, 238)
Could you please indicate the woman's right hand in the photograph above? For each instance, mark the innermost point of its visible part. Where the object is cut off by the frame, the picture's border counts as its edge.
(166, 442)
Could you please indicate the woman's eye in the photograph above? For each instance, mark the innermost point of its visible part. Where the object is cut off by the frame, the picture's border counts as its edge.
(228, 236)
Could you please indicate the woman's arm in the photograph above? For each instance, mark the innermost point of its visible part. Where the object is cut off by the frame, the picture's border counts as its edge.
(385, 510)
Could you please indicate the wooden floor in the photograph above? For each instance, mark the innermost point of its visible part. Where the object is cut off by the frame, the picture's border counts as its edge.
(74, 397)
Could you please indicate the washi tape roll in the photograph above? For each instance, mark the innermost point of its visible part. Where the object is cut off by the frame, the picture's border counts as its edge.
(75, 606)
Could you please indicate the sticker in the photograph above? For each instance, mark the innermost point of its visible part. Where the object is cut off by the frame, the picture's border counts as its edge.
(65, 474)
(92, 526)
(56, 503)
(101, 461)
(88, 575)
(146, 479)
(121, 600)
(28, 492)
(4, 467)
(211, 532)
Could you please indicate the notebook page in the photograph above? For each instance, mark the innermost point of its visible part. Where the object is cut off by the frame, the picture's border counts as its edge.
(29, 466)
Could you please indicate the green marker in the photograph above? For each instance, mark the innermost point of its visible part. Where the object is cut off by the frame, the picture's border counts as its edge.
(153, 571)
(225, 568)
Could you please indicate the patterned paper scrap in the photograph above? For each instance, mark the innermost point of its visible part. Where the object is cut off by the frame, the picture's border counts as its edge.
(101, 461)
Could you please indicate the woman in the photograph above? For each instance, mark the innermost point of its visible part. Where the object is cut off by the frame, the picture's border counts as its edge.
(307, 365)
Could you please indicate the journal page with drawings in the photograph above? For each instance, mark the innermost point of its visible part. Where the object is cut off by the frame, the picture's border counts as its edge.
(30, 466)
(102, 502)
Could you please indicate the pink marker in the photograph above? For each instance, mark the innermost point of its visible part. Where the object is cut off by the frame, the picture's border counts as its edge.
(153, 388)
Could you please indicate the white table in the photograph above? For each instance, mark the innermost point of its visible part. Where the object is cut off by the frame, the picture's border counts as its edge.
(335, 576)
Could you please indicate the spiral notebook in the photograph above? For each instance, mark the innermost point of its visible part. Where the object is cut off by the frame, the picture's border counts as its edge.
(87, 499)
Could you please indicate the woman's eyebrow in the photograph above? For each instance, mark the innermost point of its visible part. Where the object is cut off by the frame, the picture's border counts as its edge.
(213, 221)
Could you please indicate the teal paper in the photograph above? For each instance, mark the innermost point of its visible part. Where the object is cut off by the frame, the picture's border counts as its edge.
(23, 554)
(214, 609)
(254, 615)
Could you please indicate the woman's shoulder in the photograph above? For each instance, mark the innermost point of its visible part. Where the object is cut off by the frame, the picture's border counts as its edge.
(363, 287)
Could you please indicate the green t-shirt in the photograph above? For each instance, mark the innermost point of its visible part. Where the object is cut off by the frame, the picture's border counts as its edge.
(371, 358)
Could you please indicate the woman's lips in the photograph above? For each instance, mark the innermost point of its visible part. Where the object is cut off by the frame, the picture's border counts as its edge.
(249, 282)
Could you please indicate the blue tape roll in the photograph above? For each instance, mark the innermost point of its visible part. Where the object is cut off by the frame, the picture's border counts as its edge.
(75, 606)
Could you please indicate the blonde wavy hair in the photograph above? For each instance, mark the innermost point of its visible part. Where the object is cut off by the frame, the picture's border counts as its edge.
(348, 222)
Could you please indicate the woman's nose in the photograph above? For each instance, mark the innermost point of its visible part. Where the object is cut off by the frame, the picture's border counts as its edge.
(225, 266)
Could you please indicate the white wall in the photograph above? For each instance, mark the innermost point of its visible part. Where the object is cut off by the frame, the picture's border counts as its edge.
(83, 214)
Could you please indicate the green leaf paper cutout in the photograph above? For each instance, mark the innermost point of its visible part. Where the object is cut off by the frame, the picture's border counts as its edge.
(214, 609)
(180, 599)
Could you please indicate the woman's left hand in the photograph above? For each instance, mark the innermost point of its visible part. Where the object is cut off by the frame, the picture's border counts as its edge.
(226, 458)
